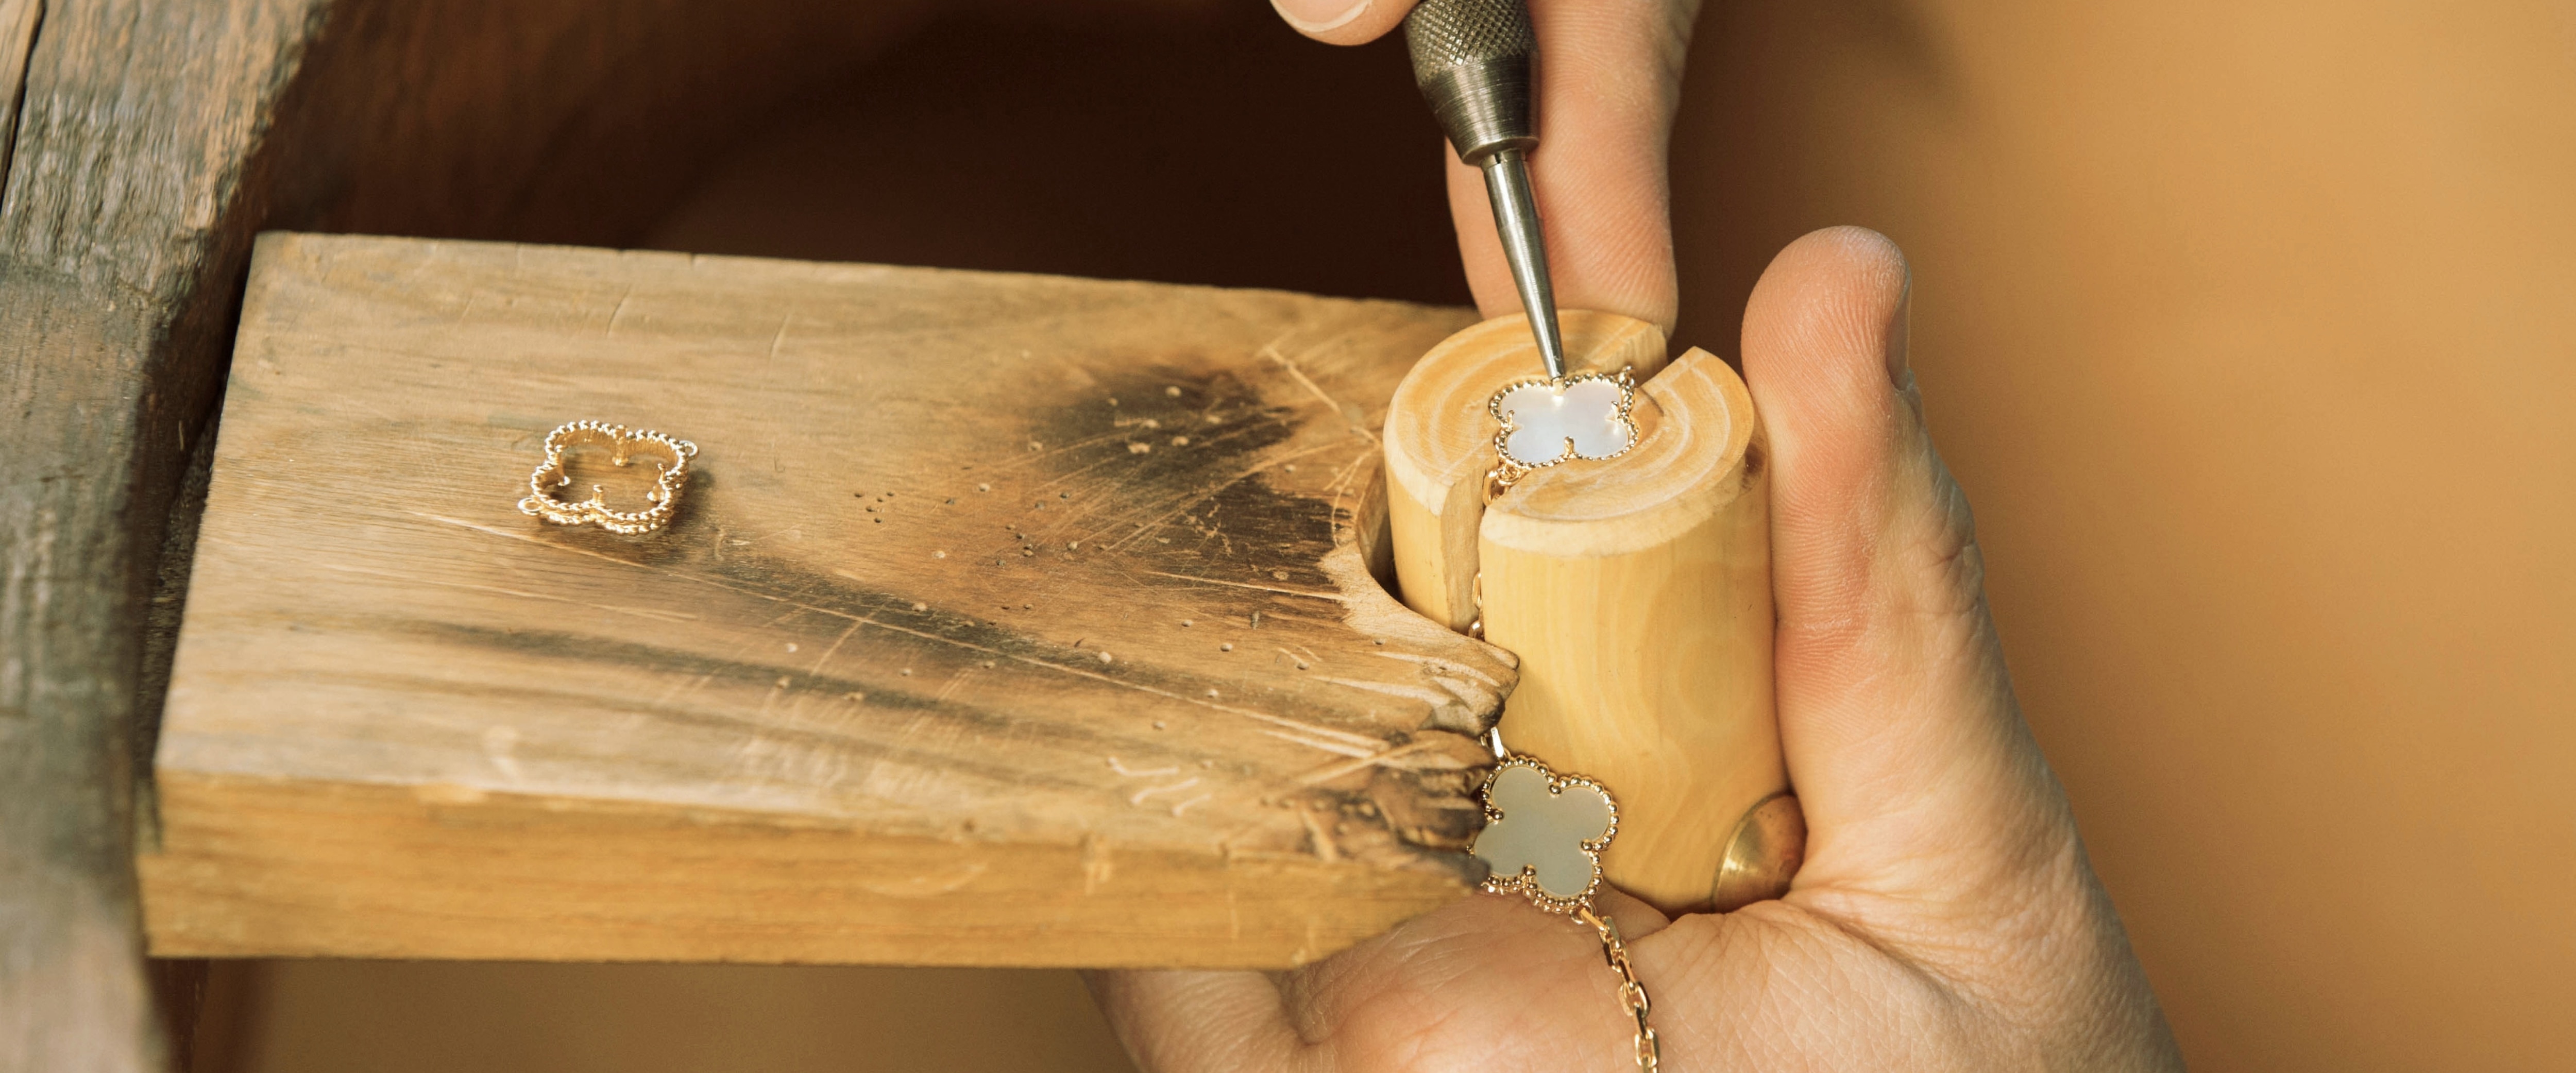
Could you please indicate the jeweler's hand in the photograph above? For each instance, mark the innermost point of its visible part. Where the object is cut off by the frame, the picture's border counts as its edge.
(1946, 918)
(1609, 77)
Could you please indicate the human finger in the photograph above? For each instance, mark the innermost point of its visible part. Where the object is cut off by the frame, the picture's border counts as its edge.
(1609, 79)
(1895, 713)
(1343, 22)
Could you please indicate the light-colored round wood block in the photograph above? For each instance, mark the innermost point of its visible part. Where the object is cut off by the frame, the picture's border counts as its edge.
(1636, 592)
(1440, 441)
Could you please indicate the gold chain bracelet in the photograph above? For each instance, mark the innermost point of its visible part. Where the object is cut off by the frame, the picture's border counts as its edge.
(1631, 992)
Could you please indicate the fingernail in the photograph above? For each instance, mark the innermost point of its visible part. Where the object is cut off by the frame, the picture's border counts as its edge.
(1317, 16)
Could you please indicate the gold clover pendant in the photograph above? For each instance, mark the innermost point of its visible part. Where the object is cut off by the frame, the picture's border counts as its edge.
(1543, 422)
(1544, 834)
(622, 443)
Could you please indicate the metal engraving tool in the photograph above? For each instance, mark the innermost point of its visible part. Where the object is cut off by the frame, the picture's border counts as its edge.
(1472, 60)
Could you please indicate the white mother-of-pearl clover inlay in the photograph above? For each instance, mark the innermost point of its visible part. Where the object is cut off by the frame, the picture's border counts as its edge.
(1545, 422)
(1544, 833)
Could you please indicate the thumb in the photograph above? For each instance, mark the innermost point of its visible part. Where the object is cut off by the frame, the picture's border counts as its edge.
(1911, 759)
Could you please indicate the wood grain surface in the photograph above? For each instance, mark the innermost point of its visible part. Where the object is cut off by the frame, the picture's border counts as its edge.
(1005, 620)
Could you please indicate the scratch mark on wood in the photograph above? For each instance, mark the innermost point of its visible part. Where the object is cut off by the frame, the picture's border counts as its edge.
(927, 886)
(1449, 666)
(653, 614)
(621, 308)
(1332, 596)
(1122, 769)
(1425, 694)
(1138, 798)
(1340, 750)
(835, 647)
(1031, 457)
(1168, 507)
(1303, 733)
(684, 686)
(949, 688)
(499, 745)
(1270, 350)
(1317, 838)
(1185, 805)
(1381, 758)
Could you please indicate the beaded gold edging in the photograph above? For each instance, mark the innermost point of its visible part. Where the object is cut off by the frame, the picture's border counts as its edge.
(621, 441)
(1525, 882)
(1508, 470)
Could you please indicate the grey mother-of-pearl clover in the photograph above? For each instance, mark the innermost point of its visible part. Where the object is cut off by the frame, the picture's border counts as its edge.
(1544, 833)
(1544, 422)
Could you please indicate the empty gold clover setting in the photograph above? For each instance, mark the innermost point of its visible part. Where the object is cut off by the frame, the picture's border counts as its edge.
(1544, 834)
(622, 443)
(1542, 422)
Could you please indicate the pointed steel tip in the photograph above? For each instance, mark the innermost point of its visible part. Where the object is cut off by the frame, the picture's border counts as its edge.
(1516, 223)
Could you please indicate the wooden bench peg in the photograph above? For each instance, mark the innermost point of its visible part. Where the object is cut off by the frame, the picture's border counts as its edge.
(1636, 593)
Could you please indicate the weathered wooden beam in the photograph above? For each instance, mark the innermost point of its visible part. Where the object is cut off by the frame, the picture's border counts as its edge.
(1007, 620)
(151, 141)
(108, 220)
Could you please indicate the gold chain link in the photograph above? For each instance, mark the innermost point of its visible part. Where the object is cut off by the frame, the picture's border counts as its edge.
(1650, 1050)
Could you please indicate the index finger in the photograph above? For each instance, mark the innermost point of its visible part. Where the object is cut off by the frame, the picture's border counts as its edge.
(1343, 22)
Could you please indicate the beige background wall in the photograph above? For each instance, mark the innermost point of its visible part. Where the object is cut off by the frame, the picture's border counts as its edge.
(2250, 328)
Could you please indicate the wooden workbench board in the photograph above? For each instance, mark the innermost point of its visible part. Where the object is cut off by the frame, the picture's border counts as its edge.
(1005, 620)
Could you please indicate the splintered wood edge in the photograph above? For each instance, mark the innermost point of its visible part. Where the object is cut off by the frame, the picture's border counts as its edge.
(1439, 441)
